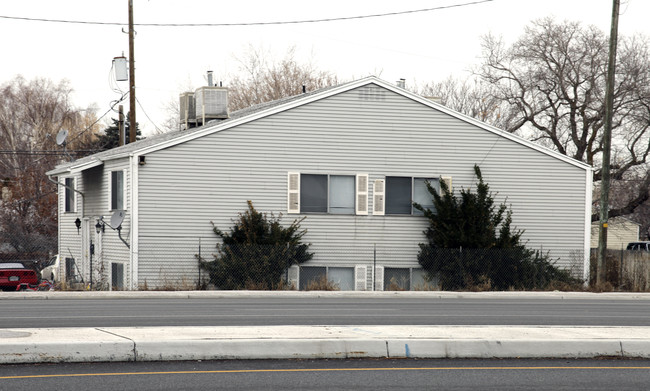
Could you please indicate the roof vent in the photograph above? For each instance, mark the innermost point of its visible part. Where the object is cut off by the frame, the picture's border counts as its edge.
(401, 83)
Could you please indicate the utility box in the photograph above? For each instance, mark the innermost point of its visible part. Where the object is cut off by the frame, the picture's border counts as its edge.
(120, 68)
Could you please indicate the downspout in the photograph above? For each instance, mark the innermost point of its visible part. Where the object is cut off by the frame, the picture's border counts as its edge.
(83, 197)
(587, 245)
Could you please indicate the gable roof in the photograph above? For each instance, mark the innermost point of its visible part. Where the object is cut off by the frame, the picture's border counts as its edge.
(165, 140)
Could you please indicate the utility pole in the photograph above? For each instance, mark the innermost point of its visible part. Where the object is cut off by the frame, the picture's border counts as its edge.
(120, 125)
(131, 77)
(607, 146)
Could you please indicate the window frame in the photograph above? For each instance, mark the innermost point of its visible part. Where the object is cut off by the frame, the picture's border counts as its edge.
(69, 196)
(111, 206)
(353, 210)
(413, 179)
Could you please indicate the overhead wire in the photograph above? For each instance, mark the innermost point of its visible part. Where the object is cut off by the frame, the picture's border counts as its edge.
(147, 115)
(111, 108)
(115, 87)
(322, 20)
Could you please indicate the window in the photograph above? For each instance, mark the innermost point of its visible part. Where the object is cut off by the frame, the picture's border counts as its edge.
(313, 277)
(117, 276)
(341, 194)
(69, 195)
(117, 190)
(313, 193)
(321, 193)
(402, 191)
(398, 195)
(421, 194)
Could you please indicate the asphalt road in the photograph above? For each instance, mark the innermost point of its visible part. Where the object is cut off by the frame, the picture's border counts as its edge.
(20, 313)
(385, 374)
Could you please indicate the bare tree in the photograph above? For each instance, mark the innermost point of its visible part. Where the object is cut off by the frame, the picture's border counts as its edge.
(261, 81)
(553, 79)
(31, 115)
(471, 97)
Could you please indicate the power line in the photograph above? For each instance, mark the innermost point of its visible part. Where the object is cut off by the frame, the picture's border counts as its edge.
(147, 115)
(336, 19)
(45, 152)
(113, 104)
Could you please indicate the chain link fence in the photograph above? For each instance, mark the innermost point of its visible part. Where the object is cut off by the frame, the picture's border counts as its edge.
(189, 263)
(33, 250)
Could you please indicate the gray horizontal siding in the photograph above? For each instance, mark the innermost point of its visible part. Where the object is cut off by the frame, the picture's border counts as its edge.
(183, 188)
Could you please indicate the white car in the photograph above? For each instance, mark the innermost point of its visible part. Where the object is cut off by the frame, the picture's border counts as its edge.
(50, 270)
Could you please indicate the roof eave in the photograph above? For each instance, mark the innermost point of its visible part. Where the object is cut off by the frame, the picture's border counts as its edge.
(75, 168)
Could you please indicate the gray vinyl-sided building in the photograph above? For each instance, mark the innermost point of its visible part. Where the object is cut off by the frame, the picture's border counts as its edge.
(349, 158)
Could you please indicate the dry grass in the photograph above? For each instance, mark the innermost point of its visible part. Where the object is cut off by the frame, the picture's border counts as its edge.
(322, 284)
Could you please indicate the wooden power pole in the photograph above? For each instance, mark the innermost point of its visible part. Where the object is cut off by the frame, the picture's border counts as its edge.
(120, 125)
(607, 146)
(132, 122)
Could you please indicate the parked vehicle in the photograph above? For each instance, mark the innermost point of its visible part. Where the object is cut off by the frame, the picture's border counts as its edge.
(639, 246)
(13, 274)
(50, 269)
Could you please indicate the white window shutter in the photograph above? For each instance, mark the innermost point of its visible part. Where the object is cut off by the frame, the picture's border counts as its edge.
(362, 194)
(293, 276)
(447, 180)
(379, 278)
(378, 194)
(359, 278)
(293, 192)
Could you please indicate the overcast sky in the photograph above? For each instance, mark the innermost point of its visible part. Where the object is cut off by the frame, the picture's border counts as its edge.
(419, 47)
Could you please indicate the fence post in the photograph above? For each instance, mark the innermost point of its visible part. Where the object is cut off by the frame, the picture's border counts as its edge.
(374, 266)
(620, 268)
(198, 283)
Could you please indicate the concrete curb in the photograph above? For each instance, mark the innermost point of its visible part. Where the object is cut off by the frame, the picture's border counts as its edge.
(318, 342)
(82, 295)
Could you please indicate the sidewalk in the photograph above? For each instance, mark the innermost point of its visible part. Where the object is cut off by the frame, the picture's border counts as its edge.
(31, 345)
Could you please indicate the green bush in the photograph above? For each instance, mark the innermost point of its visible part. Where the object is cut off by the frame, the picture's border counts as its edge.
(256, 252)
(470, 242)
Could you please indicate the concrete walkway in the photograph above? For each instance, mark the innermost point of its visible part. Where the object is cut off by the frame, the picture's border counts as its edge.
(309, 342)
(34, 345)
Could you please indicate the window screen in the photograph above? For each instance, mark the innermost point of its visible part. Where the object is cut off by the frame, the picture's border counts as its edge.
(341, 194)
(117, 190)
(421, 194)
(117, 276)
(397, 279)
(311, 275)
(398, 195)
(69, 195)
(313, 193)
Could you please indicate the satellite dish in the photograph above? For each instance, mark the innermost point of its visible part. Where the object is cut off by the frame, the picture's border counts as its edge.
(116, 219)
(61, 136)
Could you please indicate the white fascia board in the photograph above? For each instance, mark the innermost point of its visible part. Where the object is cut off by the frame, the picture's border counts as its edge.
(261, 114)
(75, 168)
(346, 87)
(85, 166)
(484, 126)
